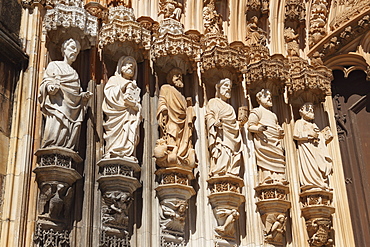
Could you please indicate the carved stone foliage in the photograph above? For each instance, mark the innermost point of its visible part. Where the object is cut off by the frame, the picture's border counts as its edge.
(295, 11)
(120, 27)
(117, 182)
(317, 211)
(71, 15)
(273, 205)
(307, 82)
(55, 177)
(318, 19)
(31, 3)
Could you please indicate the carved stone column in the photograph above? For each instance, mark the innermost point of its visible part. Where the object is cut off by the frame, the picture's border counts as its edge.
(273, 205)
(117, 184)
(317, 210)
(55, 177)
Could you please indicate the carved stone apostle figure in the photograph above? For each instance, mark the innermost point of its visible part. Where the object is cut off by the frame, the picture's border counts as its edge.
(315, 162)
(224, 139)
(255, 35)
(175, 116)
(122, 110)
(62, 100)
(267, 135)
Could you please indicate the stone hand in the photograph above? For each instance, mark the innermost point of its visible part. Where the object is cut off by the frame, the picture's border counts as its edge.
(262, 128)
(86, 95)
(218, 124)
(53, 88)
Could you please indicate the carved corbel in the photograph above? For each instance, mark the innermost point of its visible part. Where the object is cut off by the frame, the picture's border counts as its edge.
(55, 176)
(317, 209)
(117, 182)
(174, 191)
(225, 199)
(273, 206)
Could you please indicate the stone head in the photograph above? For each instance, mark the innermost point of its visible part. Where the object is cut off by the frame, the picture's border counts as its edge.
(223, 89)
(70, 50)
(174, 77)
(264, 98)
(127, 67)
(306, 111)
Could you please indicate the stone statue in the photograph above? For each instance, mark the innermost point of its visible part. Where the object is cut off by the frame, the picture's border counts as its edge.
(226, 218)
(224, 139)
(314, 160)
(175, 116)
(267, 140)
(172, 215)
(275, 228)
(212, 20)
(122, 110)
(62, 100)
(255, 35)
(170, 9)
(291, 41)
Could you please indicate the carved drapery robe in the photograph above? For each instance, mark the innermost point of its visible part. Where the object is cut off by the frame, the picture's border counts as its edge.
(178, 128)
(224, 143)
(268, 148)
(315, 163)
(64, 111)
(122, 109)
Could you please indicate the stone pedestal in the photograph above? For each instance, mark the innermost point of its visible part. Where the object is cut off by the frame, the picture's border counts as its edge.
(117, 184)
(225, 199)
(55, 176)
(317, 211)
(273, 205)
(174, 193)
